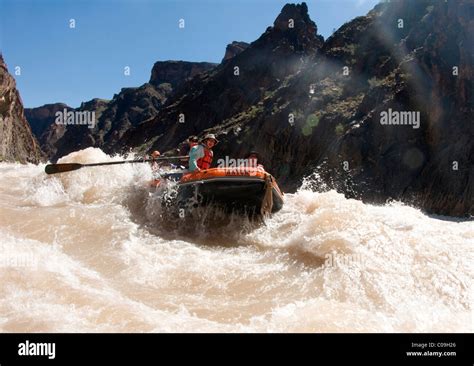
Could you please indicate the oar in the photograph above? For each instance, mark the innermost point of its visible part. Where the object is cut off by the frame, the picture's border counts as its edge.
(69, 167)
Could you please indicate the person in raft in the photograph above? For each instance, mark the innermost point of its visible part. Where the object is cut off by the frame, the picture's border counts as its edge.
(154, 164)
(200, 156)
(252, 160)
(184, 148)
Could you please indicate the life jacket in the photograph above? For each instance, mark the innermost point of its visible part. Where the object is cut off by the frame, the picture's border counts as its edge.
(206, 160)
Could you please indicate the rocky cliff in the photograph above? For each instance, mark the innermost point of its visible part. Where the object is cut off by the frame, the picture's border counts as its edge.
(415, 57)
(128, 108)
(41, 118)
(17, 142)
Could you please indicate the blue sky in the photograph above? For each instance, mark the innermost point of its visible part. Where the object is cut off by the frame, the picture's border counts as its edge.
(71, 65)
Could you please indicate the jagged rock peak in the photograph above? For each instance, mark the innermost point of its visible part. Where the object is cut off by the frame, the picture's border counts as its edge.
(298, 13)
(294, 27)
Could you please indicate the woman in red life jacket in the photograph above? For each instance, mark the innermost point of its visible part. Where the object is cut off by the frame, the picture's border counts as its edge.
(200, 156)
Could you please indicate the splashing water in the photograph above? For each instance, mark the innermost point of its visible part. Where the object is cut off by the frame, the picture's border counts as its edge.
(86, 251)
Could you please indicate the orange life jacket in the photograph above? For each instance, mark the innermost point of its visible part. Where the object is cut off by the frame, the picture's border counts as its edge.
(206, 160)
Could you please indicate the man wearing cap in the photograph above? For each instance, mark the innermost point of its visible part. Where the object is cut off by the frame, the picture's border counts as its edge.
(200, 156)
(184, 148)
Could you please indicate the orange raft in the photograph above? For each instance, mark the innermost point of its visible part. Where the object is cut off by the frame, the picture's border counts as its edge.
(241, 189)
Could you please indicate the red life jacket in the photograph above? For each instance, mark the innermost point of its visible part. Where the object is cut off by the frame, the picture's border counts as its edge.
(206, 160)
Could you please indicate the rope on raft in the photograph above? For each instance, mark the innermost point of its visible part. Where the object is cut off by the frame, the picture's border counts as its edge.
(267, 202)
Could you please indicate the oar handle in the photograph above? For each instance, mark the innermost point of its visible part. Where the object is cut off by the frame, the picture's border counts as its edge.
(68, 167)
(136, 161)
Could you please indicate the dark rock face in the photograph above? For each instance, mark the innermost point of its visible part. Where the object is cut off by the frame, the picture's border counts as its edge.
(234, 49)
(17, 142)
(41, 118)
(409, 69)
(60, 139)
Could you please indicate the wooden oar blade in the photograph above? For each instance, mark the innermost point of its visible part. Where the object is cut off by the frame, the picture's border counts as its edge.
(61, 168)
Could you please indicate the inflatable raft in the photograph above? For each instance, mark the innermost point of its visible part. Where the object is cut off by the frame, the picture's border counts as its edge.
(243, 190)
